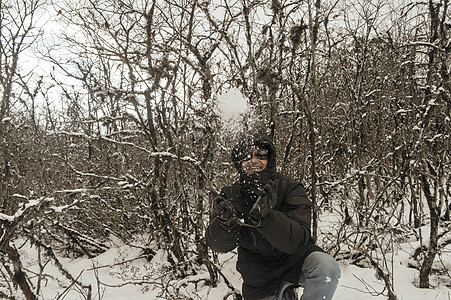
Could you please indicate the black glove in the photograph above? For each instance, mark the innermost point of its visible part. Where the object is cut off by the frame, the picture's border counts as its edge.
(266, 201)
(225, 212)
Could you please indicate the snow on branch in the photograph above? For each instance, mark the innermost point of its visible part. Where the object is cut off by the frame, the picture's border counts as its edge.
(94, 175)
(21, 211)
(26, 207)
(162, 154)
(420, 43)
(83, 237)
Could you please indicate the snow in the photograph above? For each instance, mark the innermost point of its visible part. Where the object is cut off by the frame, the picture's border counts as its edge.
(20, 211)
(232, 106)
(232, 103)
(124, 272)
(7, 218)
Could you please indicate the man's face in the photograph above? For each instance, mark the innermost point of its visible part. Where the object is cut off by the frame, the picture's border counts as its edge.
(255, 161)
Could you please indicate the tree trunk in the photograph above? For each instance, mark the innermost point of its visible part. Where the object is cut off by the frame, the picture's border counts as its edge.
(432, 249)
(19, 277)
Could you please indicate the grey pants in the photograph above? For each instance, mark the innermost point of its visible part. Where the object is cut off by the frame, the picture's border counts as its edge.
(319, 276)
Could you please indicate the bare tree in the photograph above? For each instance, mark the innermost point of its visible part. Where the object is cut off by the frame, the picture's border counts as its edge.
(136, 146)
(146, 75)
(17, 33)
(432, 163)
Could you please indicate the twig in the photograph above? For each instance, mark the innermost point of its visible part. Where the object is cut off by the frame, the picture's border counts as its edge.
(368, 286)
(117, 264)
(70, 285)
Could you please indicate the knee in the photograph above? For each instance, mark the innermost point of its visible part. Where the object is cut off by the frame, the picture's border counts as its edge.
(332, 267)
(322, 264)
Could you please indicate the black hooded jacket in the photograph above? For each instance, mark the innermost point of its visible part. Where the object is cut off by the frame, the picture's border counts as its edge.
(275, 251)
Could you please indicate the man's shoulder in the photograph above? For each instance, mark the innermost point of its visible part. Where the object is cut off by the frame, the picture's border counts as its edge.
(287, 179)
(288, 184)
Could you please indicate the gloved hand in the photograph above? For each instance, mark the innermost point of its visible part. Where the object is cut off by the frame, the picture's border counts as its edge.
(266, 201)
(225, 212)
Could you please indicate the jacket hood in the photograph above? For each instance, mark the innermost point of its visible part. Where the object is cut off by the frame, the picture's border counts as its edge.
(254, 139)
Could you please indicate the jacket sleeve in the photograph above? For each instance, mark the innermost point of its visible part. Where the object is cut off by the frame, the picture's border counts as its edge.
(219, 237)
(288, 230)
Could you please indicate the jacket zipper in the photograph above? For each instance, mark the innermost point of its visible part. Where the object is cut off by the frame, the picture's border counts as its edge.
(253, 237)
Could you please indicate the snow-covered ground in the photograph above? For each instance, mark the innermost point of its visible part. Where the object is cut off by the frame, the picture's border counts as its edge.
(120, 274)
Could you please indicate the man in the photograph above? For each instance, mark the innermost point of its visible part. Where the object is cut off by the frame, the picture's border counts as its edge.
(268, 216)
